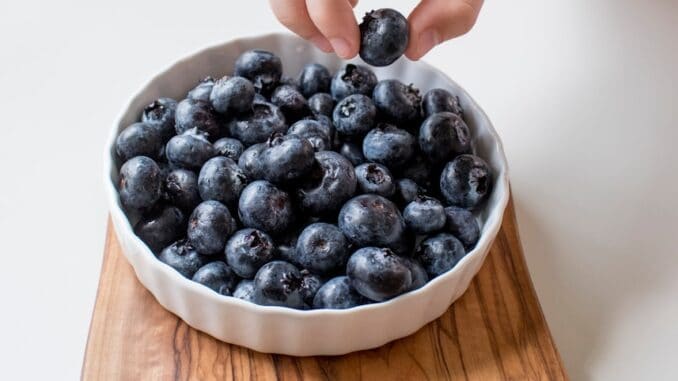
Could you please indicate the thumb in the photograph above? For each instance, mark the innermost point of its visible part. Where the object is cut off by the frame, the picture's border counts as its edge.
(436, 21)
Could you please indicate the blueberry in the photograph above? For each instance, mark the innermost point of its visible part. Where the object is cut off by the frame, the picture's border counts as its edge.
(389, 145)
(250, 161)
(209, 227)
(196, 114)
(314, 78)
(353, 152)
(139, 139)
(397, 102)
(417, 170)
(371, 220)
(404, 245)
(245, 290)
(322, 248)
(260, 98)
(291, 102)
(189, 150)
(183, 257)
(419, 275)
(338, 293)
(161, 227)
(310, 284)
(202, 91)
(263, 206)
(461, 223)
(321, 104)
(248, 250)
(229, 147)
(217, 276)
(289, 81)
(440, 100)
(181, 189)
(375, 178)
(406, 191)
(221, 179)
(232, 95)
(383, 36)
(279, 283)
(286, 158)
(352, 79)
(354, 115)
(443, 136)
(160, 113)
(140, 183)
(466, 181)
(263, 68)
(439, 253)
(255, 127)
(378, 274)
(331, 183)
(424, 215)
(313, 131)
(287, 248)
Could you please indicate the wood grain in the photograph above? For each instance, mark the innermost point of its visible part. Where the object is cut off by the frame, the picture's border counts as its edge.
(495, 331)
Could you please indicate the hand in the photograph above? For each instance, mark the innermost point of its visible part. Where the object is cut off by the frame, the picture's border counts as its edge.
(331, 24)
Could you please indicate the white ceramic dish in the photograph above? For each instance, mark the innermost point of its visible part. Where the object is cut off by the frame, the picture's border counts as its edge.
(284, 330)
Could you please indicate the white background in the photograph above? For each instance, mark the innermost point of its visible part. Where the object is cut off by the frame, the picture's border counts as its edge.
(584, 94)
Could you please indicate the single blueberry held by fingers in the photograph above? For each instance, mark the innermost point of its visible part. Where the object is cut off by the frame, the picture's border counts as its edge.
(378, 274)
(248, 250)
(183, 257)
(322, 248)
(232, 95)
(396, 101)
(255, 127)
(354, 115)
(371, 220)
(181, 189)
(160, 113)
(229, 147)
(161, 227)
(406, 191)
(443, 136)
(139, 139)
(310, 284)
(209, 227)
(440, 253)
(424, 215)
(331, 182)
(196, 114)
(250, 161)
(375, 178)
(466, 181)
(139, 183)
(263, 206)
(202, 91)
(463, 225)
(389, 145)
(221, 179)
(383, 36)
(245, 290)
(314, 78)
(189, 150)
(338, 293)
(321, 104)
(279, 283)
(263, 68)
(440, 100)
(291, 102)
(286, 158)
(316, 133)
(352, 79)
(353, 152)
(217, 276)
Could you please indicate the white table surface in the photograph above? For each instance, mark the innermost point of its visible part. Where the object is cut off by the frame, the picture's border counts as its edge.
(584, 94)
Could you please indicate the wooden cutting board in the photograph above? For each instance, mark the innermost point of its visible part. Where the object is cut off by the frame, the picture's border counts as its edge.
(495, 331)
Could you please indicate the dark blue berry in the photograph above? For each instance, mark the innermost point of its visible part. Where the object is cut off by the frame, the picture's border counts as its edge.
(245, 290)
(397, 102)
(353, 152)
(466, 181)
(354, 115)
(330, 184)
(189, 150)
(338, 293)
(291, 102)
(196, 114)
(232, 95)
(181, 189)
(383, 36)
(319, 135)
(182, 257)
(419, 275)
(263, 206)
(321, 104)
(279, 283)
(439, 253)
(310, 284)
(258, 125)
(250, 161)
(463, 225)
(248, 250)
(139, 139)
(229, 147)
(424, 215)
(286, 158)
(161, 227)
(418, 170)
(140, 183)
(217, 276)
(371, 220)
(209, 227)
(443, 136)
(375, 178)
(263, 68)
(314, 78)
(378, 274)
(160, 113)
(389, 145)
(352, 79)
(202, 91)
(440, 100)
(221, 179)
(322, 248)
(406, 191)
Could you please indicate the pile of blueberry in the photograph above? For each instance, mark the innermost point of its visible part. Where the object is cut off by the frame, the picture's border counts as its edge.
(320, 192)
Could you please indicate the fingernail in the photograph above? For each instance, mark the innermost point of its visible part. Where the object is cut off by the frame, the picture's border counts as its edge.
(322, 43)
(427, 41)
(341, 47)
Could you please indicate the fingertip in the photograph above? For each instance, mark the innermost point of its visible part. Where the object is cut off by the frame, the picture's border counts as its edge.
(321, 43)
(422, 43)
(336, 21)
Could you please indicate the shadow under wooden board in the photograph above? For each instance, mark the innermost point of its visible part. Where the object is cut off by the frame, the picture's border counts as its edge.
(495, 331)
